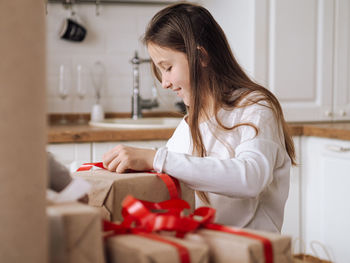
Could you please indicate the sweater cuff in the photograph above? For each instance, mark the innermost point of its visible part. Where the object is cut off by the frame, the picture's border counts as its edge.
(159, 159)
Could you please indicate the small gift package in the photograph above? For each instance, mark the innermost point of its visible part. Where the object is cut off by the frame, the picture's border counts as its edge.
(75, 232)
(109, 189)
(139, 237)
(228, 244)
(154, 248)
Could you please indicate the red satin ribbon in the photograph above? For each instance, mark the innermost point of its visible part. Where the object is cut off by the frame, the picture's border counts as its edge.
(113, 229)
(171, 183)
(119, 230)
(88, 166)
(268, 252)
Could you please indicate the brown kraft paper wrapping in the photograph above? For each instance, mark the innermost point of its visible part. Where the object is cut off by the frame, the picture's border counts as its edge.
(75, 233)
(138, 249)
(109, 189)
(23, 234)
(226, 247)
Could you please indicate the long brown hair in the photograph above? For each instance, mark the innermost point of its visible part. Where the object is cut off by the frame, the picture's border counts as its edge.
(214, 71)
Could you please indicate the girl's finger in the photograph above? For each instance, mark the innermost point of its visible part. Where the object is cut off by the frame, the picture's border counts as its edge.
(122, 167)
(109, 157)
(113, 165)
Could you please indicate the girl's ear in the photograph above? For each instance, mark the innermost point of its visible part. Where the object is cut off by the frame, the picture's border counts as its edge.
(203, 56)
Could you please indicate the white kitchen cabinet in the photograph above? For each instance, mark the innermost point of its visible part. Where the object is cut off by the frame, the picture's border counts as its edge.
(307, 64)
(298, 49)
(342, 61)
(292, 212)
(325, 195)
(299, 66)
(72, 155)
(308, 61)
(99, 148)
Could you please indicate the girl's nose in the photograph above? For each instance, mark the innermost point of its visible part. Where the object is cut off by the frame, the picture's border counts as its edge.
(166, 84)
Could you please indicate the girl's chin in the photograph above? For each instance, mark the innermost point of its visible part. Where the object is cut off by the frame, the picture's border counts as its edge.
(186, 103)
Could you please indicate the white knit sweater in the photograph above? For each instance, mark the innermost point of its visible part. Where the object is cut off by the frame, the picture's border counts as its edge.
(246, 176)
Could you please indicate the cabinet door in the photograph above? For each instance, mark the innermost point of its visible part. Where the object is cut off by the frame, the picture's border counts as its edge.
(326, 195)
(342, 61)
(299, 66)
(292, 218)
(100, 148)
(72, 155)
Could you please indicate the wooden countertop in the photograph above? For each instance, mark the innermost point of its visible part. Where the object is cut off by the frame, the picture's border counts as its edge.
(334, 130)
(86, 133)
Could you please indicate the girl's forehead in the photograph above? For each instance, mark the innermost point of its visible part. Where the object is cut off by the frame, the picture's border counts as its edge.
(163, 54)
(158, 51)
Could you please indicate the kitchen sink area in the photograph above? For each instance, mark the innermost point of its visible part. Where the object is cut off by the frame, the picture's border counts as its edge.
(142, 123)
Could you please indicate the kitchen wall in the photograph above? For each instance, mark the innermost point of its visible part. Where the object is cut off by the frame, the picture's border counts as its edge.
(113, 37)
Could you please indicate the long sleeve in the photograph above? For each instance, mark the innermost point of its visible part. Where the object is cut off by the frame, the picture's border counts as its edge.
(247, 173)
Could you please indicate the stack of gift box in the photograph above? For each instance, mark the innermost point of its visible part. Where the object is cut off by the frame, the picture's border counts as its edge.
(149, 217)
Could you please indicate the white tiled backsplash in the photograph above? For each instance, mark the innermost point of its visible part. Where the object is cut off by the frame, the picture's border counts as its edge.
(112, 38)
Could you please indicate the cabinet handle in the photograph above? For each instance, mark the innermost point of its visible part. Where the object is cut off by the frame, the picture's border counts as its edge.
(328, 113)
(337, 148)
(342, 113)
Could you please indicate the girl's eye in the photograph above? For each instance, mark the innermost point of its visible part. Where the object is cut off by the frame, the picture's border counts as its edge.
(168, 69)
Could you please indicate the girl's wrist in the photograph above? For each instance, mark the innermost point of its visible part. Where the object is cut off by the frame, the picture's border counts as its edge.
(151, 155)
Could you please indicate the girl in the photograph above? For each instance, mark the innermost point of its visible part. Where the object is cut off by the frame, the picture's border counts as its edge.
(233, 145)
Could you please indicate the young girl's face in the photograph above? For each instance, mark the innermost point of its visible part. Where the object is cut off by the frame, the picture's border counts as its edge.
(173, 68)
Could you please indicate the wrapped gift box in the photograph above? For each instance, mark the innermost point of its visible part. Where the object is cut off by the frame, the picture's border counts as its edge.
(109, 189)
(75, 233)
(135, 249)
(227, 247)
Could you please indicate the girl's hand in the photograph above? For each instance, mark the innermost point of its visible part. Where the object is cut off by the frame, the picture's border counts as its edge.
(122, 158)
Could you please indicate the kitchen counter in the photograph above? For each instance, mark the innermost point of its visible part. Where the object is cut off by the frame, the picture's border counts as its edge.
(86, 133)
(334, 130)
